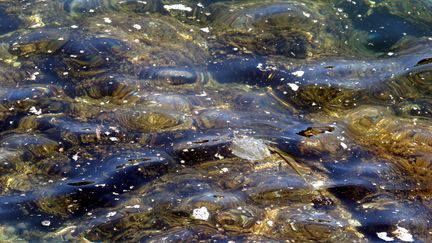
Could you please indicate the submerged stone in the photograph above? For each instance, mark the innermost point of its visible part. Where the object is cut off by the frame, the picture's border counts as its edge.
(229, 121)
(249, 148)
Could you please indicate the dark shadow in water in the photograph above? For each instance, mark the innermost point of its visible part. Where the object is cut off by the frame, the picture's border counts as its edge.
(8, 23)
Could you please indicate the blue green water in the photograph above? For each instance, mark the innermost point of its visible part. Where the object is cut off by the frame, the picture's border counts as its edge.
(215, 121)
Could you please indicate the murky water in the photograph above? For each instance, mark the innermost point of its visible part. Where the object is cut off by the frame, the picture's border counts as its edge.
(225, 121)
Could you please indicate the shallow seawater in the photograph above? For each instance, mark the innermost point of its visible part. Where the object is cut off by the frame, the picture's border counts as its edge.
(215, 121)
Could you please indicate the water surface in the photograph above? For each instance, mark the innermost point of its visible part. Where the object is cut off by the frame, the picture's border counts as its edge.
(221, 121)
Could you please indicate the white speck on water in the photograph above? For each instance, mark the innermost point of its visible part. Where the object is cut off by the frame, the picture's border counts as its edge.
(33, 76)
(344, 146)
(354, 223)
(35, 111)
(36, 25)
(179, 7)
(260, 66)
(203, 94)
(224, 170)
(111, 214)
(201, 213)
(249, 148)
(293, 86)
(383, 236)
(298, 73)
(206, 29)
(46, 223)
(137, 26)
(107, 20)
(133, 206)
(115, 129)
(317, 184)
(113, 139)
(403, 234)
(219, 156)
(74, 26)
(75, 157)
(306, 14)
(270, 223)
(390, 54)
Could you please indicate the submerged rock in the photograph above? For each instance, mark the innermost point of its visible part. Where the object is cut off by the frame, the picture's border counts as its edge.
(214, 121)
(249, 148)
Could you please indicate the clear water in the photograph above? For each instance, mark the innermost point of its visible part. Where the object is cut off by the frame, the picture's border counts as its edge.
(173, 121)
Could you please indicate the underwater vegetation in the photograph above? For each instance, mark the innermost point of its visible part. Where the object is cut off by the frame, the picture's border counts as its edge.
(215, 121)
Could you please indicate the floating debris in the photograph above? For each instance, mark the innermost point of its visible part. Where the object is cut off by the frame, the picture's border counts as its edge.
(298, 73)
(314, 131)
(111, 214)
(75, 156)
(137, 26)
(293, 86)
(383, 236)
(206, 30)
(184, 121)
(201, 213)
(107, 20)
(35, 111)
(46, 223)
(403, 234)
(179, 7)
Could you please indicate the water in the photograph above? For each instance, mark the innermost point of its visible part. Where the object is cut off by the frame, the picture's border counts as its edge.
(172, 121)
